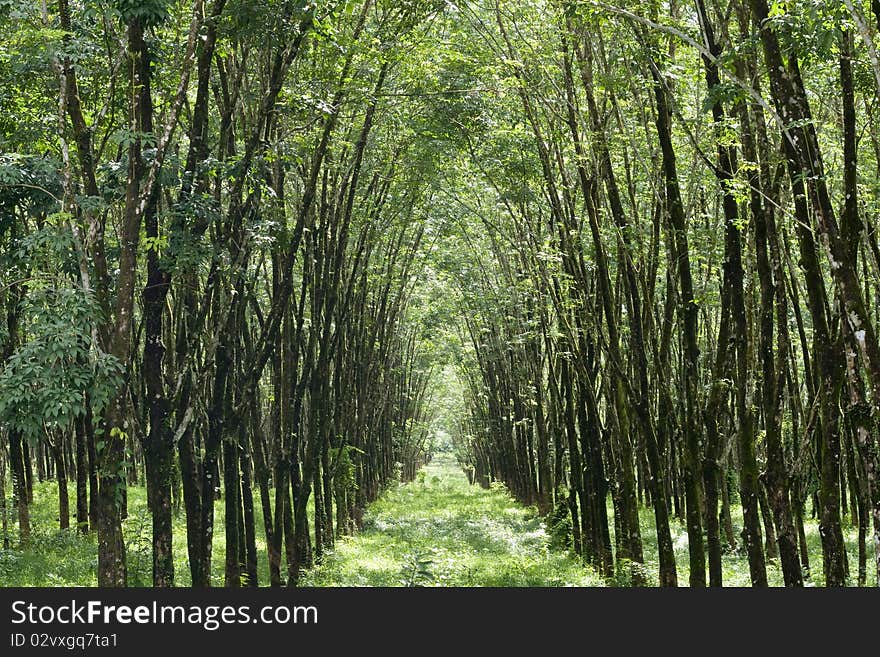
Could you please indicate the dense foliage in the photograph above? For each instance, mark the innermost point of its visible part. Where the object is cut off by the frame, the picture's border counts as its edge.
(264, 256)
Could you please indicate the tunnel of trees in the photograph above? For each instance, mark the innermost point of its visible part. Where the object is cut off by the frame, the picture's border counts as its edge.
(248, 248)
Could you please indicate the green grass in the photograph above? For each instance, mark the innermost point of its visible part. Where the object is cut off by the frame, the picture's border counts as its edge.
(435, 531)
(440, 531)
(56, 557)
(53, 557)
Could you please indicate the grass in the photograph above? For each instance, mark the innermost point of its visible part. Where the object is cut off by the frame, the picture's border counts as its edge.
(441, 531)
(53, 557)
(435, 531)
(64, 557)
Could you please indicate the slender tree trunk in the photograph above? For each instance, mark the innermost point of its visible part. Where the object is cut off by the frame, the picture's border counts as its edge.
(57, 450)
(688, 311)
(158, 443)
(82, 477)
(807, 177)
(19, 485)
(232, 490)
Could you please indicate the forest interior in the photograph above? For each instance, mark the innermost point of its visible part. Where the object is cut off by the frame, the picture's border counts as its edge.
(439, 293)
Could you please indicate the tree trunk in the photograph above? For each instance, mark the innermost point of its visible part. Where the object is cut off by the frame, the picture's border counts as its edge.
(688, 312)
(19, 485)
(82, 477)
(57, 450)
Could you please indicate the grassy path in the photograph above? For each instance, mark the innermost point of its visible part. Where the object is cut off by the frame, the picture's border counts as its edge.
(441, 531)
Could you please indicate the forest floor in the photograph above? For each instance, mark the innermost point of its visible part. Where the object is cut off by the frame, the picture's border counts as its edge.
(435, 531)
(440, 531)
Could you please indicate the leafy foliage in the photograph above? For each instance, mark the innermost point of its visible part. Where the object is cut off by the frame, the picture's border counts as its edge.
(48, 380)
(150, 12)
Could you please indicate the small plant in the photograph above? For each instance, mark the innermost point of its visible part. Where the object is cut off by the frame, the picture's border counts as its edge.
(629, 574)
(418, 568)
(9, 561)
(139, 550)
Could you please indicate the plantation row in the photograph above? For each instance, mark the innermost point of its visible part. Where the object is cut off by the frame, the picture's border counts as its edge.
(207, 244)
(684, 297)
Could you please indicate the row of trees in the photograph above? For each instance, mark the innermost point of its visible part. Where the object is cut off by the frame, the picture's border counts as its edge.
(209, 232)
(680, 202)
